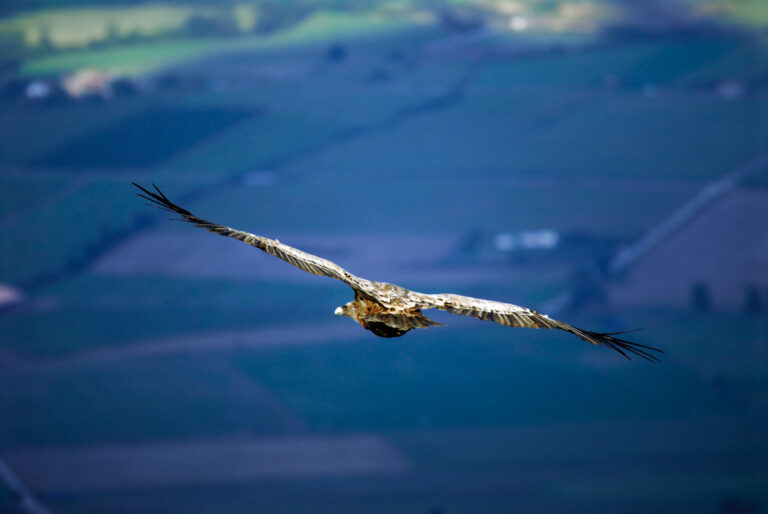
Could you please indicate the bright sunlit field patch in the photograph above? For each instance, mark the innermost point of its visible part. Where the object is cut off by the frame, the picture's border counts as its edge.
(75, 27)
(142, 57)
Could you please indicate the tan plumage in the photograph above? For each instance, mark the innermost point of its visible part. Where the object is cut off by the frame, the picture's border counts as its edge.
(389, 310)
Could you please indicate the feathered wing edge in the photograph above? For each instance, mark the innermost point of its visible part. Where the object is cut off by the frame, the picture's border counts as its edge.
(160, 201)
(302, 260)
(511, 315)
(622, 346)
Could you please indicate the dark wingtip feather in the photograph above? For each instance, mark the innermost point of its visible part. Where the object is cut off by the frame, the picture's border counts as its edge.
(160, 201)
(622, 346)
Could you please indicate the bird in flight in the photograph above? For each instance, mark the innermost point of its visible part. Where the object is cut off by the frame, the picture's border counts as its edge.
(389, 310)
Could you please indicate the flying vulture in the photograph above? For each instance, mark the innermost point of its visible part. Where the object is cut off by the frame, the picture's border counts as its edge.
(389, 310)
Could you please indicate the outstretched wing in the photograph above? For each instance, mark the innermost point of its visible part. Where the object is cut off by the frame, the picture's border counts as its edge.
(302, 260)
(511, 315)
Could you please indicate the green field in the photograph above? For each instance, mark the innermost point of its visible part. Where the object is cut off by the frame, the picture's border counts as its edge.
(144, 57)
(74, 27)
(749, 12)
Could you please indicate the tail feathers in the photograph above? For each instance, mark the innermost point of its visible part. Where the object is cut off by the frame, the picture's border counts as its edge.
(622, 346)
(426, 322)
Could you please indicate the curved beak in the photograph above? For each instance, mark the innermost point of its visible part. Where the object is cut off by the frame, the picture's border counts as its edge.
(339, 311)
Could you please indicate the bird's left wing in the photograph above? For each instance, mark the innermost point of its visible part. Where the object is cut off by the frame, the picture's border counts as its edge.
(302, 260)
(511, 315)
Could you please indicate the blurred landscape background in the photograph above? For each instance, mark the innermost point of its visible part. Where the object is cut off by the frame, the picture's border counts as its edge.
(602, 161)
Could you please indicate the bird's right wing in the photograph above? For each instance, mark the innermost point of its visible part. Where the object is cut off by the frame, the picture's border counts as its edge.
(302, 260)
(511, 315)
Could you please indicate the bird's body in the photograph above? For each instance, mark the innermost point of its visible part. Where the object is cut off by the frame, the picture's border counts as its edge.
(391, 318)
(389, 310)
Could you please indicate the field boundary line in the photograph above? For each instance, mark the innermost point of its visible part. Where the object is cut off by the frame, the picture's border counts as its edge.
(26, 502)
(687, 212)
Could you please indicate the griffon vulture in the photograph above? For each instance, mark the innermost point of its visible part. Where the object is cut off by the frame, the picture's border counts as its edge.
(389, 310)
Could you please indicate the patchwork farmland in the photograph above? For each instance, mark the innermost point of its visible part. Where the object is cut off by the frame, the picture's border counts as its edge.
(140, 339)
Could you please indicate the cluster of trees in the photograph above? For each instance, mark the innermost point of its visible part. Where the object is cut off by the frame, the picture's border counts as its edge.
(754, 303)
(222, 21)
(268, 16)
(12, 50)
(8, 7)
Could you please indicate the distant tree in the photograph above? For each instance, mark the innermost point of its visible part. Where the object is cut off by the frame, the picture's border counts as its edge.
(396, 55)
(546, 6)
(132, 36)
(732, 504)
(471, 243)
(112, 33)
(13, 87)
(170, 80)
(337, 52)
(200, 26)
(379, 75)
(753, 303)
(460, 18)
(45, 43)
(219, 24)
(124, 86)
(274, 15)
(700, 297)
(12, 50)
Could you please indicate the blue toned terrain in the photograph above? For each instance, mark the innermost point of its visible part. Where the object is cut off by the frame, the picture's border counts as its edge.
(149, 366)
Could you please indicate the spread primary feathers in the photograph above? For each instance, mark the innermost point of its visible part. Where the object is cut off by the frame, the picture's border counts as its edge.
(389, 310)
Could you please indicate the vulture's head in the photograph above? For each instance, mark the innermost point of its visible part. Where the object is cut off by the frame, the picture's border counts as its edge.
(346, 310)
